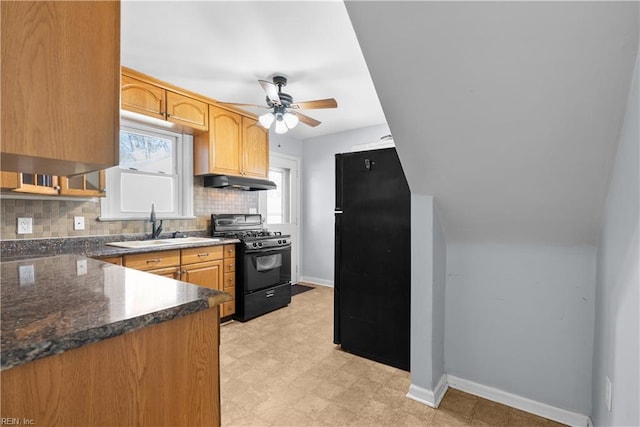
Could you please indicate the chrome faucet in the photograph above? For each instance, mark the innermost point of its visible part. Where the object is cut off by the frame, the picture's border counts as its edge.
(155, 232)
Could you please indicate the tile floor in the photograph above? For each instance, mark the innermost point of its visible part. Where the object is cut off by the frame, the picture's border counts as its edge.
(282, 369)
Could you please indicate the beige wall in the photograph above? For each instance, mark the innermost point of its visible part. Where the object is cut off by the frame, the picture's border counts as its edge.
(53, 218)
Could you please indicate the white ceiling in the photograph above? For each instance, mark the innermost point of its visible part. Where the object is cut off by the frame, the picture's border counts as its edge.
(221, 49)
(507, 112)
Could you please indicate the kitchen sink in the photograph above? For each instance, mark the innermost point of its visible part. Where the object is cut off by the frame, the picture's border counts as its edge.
(132, 244)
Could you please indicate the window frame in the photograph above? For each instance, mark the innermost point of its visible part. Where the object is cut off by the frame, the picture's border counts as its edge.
(111, 209)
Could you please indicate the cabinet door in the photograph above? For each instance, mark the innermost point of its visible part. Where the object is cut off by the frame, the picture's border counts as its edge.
(187, 111)
(170, 272)
(60, 86)
(207, 274)
(91, 184)
(143, 98)
(255, 149)
(218, 151)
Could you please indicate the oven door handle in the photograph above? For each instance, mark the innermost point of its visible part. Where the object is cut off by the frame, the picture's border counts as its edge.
(276, 249)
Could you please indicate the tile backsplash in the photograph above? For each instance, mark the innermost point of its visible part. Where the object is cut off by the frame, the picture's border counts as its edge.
(54, 218)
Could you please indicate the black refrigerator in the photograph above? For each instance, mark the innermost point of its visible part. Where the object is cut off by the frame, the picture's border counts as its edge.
(372, 279)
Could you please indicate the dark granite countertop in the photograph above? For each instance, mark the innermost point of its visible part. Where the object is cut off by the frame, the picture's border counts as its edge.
(91, 246)
(54, 304)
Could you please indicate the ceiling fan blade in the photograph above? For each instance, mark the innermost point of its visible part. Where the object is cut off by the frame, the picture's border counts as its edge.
(309, 121)
(271, 90)
(318, 103)
(237, 104)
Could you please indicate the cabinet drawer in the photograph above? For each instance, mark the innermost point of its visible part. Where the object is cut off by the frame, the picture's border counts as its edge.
(229, 307)
(205, 253)
(229, 251)
(229, 265)
(153, 260)
(229, 279)
(117, 260)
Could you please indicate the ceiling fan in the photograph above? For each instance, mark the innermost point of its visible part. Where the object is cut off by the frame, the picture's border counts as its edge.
(284, 112)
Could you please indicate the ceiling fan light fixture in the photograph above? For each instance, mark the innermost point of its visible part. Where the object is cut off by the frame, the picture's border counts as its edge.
(266, 120)
(291, 120)
(281, 126)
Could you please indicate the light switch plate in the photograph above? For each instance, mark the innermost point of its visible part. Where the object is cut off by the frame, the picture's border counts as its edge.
(25, 226)
(78, 223)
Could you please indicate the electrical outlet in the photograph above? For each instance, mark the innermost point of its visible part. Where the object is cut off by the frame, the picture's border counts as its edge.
(27, 275)
(607, 393)
(78, 223)
(25, 225)
(81, 267)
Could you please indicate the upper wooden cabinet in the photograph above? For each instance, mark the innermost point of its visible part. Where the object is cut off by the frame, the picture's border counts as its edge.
(187, 111)
(255, 149)
(143, 98)
(234, 145)
(91, 184)
(60, 90)
(154, 100)
(218, 151)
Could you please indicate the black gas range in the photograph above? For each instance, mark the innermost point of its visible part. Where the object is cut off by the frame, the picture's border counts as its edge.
(263, 264)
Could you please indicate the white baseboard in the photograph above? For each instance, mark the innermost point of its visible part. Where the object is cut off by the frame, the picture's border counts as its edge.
(519, 402)
(317, 281)
(429, 397)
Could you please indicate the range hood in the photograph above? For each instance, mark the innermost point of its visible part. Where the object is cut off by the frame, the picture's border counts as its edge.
(240, 182)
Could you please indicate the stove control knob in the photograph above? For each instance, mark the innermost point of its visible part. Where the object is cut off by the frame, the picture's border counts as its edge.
(279, 242)
(260, 244)
(284, 241)
(254, 244)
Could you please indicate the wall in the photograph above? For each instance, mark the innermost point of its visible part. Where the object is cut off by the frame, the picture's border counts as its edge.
(616, 348)
(318, 197)
(422, 378)
(53, 218)
(428, 274)
(439, 295)
(285, 144)
(520, 319)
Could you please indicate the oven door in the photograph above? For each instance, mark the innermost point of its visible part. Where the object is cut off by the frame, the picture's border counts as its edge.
(266, 267)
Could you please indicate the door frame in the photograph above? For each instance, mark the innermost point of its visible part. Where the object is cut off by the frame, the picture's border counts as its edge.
(296, 203)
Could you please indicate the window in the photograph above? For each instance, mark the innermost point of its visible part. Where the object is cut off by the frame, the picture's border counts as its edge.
(278, 206)
(155, 168)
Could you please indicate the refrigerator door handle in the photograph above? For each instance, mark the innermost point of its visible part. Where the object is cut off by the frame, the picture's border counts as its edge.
(336, 279)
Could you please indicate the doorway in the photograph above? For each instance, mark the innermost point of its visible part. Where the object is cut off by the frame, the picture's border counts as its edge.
(280, 208)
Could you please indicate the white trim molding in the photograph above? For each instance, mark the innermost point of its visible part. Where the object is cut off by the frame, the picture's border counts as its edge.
(317, 281)
(519, 402)
(429, 397)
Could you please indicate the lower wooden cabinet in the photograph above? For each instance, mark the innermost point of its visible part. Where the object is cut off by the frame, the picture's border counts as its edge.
(117, 260)
(206, 274)
(153, 261)
(208, 266)
(229, 284)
